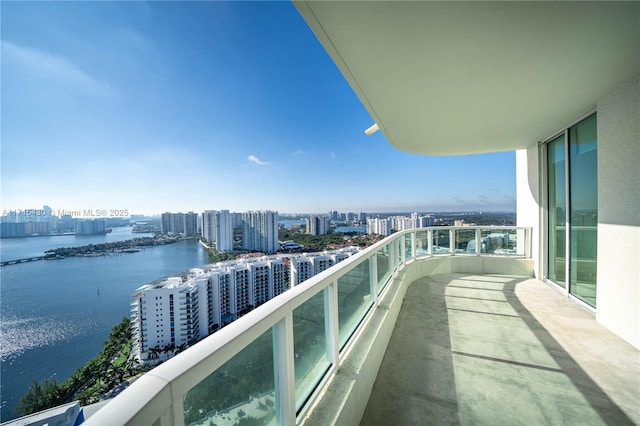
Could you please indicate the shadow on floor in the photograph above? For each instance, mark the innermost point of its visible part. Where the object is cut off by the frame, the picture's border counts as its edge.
(466, 350)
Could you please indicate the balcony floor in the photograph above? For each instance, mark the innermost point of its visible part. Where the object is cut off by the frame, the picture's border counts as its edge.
(496, 349)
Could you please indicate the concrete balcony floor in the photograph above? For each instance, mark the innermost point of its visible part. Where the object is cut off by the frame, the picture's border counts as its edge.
(496, 349)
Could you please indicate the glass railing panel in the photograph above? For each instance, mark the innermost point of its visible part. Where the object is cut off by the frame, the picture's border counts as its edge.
(408, 246)
(383, 267)
(465, 241)
(310, 346)
(398, 251)
(354, 299)
(241, 391)
(422, 243)
(441, 243)
(503, 242)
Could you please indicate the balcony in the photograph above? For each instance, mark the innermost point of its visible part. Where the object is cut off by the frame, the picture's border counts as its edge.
(476, 340)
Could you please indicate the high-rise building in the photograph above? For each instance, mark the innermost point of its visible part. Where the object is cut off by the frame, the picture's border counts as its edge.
(179, 223)
(318, 225)
(379, 226)
(180, 310)
(90, 227)
(301, 269)
(322, 263)
(164, 315)
(217, 229)
(260, 231)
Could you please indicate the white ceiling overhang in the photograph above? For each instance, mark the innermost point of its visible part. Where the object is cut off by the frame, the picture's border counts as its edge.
(449, 78)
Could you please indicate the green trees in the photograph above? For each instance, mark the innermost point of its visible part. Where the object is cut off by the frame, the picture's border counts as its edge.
(40, 397)
(98, 376)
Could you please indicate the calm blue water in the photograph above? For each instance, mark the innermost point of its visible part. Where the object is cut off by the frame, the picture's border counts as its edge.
(350, 229)
(53, 319)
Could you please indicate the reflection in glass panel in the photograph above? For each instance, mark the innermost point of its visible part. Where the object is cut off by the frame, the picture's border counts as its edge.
(583, 152)
(422, 243)
(242, 388)
(309, 343)
(557, 202)
(384, 270)
(441, 241)
(465, 241)
(408, 246)
(503, 242)
(354, 299)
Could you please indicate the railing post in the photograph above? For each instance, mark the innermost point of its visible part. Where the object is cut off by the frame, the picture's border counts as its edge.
(177, 410)
(478, 241)
(392, 255)
(430, 241)
(452, 240)
(373, 277)
(285, 375)
(414, 235)
(331, 325)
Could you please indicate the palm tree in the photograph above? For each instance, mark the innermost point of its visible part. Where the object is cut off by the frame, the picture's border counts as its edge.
(153, 352)
(180, 348)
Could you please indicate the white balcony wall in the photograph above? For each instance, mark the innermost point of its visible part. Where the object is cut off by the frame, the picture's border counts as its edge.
(618, 291)
(528, 202)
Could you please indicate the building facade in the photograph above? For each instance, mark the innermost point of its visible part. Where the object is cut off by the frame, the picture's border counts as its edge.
(318, 225)
(260, 231)
(217, 229)
(178, 311)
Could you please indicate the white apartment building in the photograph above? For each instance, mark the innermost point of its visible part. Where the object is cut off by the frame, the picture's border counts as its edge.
(378, 226)
(280, 275)
(260, 231)
(318, 225)
(301, 269)
(183, 309)
(217, 228)
(164, 315)
(322, 263)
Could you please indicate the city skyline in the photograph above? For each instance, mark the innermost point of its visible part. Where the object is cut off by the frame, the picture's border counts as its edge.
(156, 107)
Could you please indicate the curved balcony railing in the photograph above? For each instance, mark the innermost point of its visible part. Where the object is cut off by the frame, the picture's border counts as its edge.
(270, 364)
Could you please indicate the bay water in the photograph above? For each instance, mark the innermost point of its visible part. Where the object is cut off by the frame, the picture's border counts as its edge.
(55, 314)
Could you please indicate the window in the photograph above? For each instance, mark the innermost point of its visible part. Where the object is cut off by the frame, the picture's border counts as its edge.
(572, 188)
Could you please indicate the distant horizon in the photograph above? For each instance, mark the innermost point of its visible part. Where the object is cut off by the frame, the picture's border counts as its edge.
(55, 212)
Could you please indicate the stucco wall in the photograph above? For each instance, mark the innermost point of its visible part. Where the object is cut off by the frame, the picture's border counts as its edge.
(527, 200)
(618, 291)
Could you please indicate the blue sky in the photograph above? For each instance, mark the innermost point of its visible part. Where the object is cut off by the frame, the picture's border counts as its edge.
(165, 106)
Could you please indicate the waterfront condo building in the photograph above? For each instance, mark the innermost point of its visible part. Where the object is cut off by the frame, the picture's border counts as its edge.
(301, 269)
(318, 225)
(181, 310)
(260, 231)
(179, 223)
(378, 226)
(164, 314)
(217, 229)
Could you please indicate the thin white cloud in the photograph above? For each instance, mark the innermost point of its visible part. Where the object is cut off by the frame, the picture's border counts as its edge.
(54, 69)
(256, 160)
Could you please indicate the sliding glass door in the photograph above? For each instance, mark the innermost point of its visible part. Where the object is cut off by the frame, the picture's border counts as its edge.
(557, 230)
(583, 152)
(573, 210)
